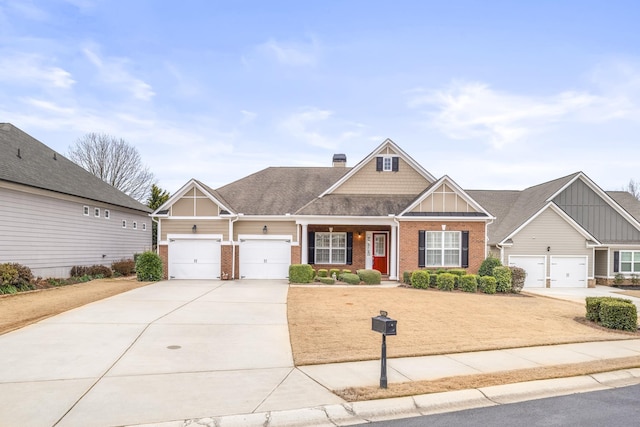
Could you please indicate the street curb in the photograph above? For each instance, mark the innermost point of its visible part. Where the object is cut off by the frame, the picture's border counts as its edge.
(413, 406)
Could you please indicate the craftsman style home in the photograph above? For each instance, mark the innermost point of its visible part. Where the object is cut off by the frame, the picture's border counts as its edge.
(55, 215)
(390, 214)
(387, 213)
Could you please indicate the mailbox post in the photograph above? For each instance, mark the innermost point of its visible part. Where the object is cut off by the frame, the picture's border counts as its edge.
(386, 326)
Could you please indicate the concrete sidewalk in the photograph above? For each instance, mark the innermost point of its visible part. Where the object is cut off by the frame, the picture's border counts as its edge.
(217, 353)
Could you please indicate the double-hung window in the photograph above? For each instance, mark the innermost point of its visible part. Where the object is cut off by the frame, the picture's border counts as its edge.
(442, 248)
(331, 248)
(630, 261)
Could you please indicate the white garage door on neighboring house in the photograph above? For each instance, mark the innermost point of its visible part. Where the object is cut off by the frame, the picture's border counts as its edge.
(535, 267)
(568, 272)
(194, 258)
(265, 258)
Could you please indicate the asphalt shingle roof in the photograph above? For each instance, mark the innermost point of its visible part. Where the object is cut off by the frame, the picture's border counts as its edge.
(41, 167)
(357, 205)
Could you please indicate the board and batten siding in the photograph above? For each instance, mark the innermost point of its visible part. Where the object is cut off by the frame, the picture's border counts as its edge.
(589, 210)
(185, 226)
(552, 231)
(286, 228)
(51, 234)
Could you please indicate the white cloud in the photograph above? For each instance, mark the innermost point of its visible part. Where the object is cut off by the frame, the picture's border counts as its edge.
(318, 128)
(33, 70)
(247, 116)
(113, 71)
(468, 110)
(28, 10)
(292, 54)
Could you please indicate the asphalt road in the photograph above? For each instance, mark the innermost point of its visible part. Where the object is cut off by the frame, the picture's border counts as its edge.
(616, 407)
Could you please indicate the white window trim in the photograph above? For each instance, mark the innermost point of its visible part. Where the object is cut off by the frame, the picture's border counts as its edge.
(632, 262)
(96, 212)
(86, 211)
(442, 249)
(135, 225)
(107, 214)
(331, 234)
(124, 223)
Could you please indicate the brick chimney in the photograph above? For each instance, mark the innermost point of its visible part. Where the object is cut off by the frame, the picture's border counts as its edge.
(339, 160)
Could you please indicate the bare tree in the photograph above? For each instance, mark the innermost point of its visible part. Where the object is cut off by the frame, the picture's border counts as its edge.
(634, 188)
(115, 162)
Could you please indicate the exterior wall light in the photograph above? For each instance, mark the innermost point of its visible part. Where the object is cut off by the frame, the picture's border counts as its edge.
(194, 229)
(264, 230)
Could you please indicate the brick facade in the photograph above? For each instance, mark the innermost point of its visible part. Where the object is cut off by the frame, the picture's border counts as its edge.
(164, 256)
(226, 261)
(409, 242)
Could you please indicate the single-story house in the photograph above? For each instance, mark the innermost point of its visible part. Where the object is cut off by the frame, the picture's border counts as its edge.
(387, 212)
(565, 233)
(55, 215)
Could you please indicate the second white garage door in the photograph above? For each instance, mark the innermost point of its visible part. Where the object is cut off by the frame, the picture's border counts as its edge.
(194, 258)
(534, 266)
(264, 258)
(569, 272)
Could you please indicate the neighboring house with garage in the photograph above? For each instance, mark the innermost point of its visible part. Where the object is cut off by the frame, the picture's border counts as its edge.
(54, 214)
(387, 212)
(565, 233)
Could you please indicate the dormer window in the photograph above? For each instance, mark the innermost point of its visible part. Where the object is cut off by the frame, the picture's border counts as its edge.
(387, 164)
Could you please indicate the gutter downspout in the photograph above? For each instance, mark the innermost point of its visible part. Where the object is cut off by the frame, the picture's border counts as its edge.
(157, 234)
(486, 237)
(395, 219)
(233, 248)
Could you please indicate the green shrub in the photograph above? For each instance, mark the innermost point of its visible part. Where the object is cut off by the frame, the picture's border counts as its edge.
(457, 271)
(323, 272)
(593, 306)
(350, 278)
(124, 267)
(469, 283)
(420, 279)
(335, 271)
(503, 279)
(326, 280)
(618, 279)
(406, 277)
(99, 270)
(487, 284)
(446, 281)
(433, 279)
(487, 266)
(16, 276)
(635, 279)
(346, 270)
(518, 275)
(149, 267)
(370, 277)
(8, 289)
(618, 315)
(301, 273)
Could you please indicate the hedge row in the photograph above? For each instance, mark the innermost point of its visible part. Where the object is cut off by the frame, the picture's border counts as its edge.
(612, 313)
(304, 273)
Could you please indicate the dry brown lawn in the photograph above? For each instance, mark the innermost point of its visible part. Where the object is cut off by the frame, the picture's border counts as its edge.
(334, 324)
(19, 310)
(631, 293)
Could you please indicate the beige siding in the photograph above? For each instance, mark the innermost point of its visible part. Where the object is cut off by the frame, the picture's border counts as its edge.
(49, 233)
(194, 203)
(601, 263)
(369, 181)
(273, 228)
(549, 230)
(185, 226)
(443, 199)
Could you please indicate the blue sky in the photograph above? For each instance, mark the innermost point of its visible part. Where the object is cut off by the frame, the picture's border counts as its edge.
(495, 94)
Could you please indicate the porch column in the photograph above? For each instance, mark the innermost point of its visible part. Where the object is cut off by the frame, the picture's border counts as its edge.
(393, 253)
(304, 245)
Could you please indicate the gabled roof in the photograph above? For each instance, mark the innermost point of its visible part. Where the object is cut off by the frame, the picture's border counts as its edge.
(213, 195)
(627, 201)
(459, 191)
(357, 205)
(513, 208)
(387, 143)
(41, 167)
(279, 190)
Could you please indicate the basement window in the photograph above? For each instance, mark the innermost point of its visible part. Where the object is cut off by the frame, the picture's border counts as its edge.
(96, 212)
(144, 226)
(85, 210)
(107, 214)
(124, 223)
(135, 225)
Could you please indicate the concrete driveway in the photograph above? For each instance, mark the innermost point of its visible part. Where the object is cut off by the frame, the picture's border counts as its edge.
(173, 350)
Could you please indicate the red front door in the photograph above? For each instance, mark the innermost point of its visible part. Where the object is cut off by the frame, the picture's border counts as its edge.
(380, 260)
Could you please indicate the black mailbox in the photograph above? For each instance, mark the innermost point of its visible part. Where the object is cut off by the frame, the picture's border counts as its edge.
(384, 324)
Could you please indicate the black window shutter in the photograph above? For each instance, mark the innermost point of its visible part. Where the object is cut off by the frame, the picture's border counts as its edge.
(312, 247)
(349, 248)
(395, 164)
(616, 261)
(378, 164)
(465, 249)
(421, 248)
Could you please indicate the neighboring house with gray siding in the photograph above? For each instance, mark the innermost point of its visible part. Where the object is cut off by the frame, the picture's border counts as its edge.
(54, 214)
(565, 233)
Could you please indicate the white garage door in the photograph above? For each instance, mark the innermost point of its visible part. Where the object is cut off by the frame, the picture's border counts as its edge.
(535, 268)
(265, 259)
(194, 258)
(569, 272)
